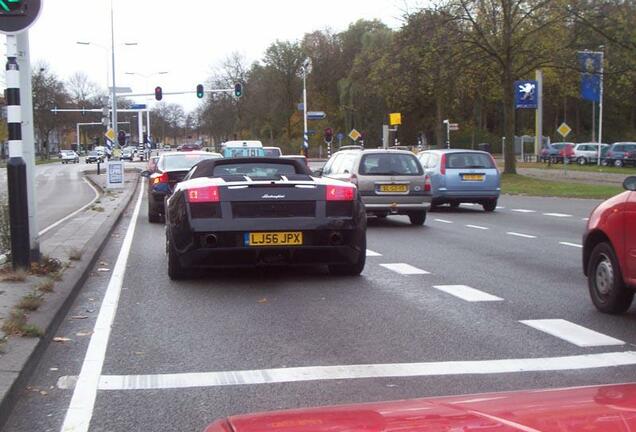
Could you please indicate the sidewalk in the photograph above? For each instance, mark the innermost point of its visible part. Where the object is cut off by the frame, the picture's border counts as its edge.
(81, 238)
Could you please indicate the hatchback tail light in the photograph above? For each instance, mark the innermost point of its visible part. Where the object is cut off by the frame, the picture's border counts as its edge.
(163, 178)
(204, 194)
(442, 165)
(340, 193)
(427, 184)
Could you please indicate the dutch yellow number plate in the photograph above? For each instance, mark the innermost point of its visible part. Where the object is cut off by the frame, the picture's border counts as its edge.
(294, 238)
(394, 188)
(473, 177)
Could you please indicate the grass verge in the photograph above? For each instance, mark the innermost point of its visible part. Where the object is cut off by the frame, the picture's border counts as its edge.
(16, 324)
(626, 171)
(30, 302)
(516, 184)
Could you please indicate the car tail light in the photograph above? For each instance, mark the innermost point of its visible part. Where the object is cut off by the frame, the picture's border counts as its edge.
(163, 178)
(427, 184)
(340, 193)
(204, 194)
(442, 165)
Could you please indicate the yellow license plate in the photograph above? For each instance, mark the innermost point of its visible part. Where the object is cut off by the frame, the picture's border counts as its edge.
(473, 177)
(293, 238)
(394, 188)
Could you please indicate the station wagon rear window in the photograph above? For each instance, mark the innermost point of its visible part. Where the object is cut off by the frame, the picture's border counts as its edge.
(255, 170)
(390, 164)
(183, 162)
(469, 160)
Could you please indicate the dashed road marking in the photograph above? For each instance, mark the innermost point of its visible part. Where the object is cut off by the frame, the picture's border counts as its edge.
(523, 211)
(573, 333)
(479, 227)
(585, 219)
(443, 221)
(516, 234)
(559, 215)
(467, 293)
(404, 269)
(571, 244)
(371, 253)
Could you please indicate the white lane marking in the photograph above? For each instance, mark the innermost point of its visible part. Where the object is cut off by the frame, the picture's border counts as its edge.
(559, 215)
(405, 269)
(469, 204)
(573, 333)
(571, 244)
(523, 211)
(70, 215)
(467, 293)
(585, 219)
(315, 373)
(80, 410)
(443, 221)
(477, 227)
(371, 253)
(516, 234)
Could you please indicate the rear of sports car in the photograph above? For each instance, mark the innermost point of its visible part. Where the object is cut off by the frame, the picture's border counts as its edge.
(292, 220)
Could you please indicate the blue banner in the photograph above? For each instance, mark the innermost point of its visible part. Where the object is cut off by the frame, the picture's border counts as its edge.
(591, 87)
(590, 64)
(526, 94)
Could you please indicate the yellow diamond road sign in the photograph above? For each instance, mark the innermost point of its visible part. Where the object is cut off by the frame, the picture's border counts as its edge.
(110, 134)
(354, 134)
(564, 130)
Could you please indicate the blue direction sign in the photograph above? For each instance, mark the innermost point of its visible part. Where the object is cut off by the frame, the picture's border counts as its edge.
(526, 94)
(340, 136)
(316, 115)
(138, 106)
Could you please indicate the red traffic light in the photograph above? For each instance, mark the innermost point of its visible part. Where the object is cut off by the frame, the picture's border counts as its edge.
(328, 134)
(158, 93)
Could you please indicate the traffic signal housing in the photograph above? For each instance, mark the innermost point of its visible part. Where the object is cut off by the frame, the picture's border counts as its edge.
(328, 135)
(158, 93)
(121, 138)
(200, 92)
(238, 90)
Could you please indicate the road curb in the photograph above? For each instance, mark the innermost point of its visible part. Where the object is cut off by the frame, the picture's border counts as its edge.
(52, 313)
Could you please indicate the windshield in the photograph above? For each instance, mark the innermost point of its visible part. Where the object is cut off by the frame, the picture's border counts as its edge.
(469, 160)
(182, 162)
(390, 164)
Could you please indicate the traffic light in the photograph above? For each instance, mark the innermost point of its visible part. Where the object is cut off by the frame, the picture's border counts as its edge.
(238, 90)
(328, 135)
(121, 138)
(200, 92)
(158, 93)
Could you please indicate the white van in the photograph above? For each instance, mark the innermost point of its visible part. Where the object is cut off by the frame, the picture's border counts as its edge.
(231, 149)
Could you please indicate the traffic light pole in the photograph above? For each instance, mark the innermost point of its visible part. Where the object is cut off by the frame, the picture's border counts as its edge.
(114, 92)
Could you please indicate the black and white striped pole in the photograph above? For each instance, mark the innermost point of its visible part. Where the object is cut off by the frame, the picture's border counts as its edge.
(16, 166)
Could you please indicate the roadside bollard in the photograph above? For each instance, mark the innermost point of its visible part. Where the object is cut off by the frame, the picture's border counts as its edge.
(98, 167)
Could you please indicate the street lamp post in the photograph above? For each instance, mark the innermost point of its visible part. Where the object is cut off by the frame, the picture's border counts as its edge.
(305, 69)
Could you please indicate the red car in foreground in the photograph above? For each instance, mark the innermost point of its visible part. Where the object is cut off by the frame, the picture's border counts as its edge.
(609, 251)
(609, 408)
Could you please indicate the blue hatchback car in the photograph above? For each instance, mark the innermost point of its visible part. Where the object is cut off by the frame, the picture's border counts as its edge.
(462, 176)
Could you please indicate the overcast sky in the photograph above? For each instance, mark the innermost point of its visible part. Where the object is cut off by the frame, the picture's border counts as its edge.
(186, 38)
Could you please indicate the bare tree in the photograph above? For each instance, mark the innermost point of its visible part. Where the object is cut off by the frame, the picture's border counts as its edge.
(81, 89)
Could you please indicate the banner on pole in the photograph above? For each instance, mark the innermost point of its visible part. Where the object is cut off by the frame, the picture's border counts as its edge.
(590, 64)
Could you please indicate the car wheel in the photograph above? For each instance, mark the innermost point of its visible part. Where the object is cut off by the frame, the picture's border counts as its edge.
(454, 204)
(618, 163)
(554, 160)
(417, 218)
(490, 205)
(581, 161)
(175, 270)
(607, 289)
(352, 269)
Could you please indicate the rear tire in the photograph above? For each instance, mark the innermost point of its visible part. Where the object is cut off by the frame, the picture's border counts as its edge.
(175, 270)
(490, 206)
(607, 289)
(153, 216)
(417, 218)
(351, 269)
(581, 161)
(618, 163)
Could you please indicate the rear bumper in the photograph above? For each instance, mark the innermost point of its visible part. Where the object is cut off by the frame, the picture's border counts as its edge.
(396, 204)
(467, 196)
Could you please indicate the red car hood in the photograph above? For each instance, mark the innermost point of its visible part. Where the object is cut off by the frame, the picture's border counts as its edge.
(600, 408)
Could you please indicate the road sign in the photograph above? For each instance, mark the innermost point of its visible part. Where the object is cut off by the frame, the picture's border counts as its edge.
(395, 119)
(138, 106)
(526, 96)
(316, 115)
(18, 15)
(564, 130)
(340, 136)
(110, 134)
(453, 126)
(354, 134)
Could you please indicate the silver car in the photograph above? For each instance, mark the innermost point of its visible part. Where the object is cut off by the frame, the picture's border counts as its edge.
(389, 181)
(459, 176)
(585, 153)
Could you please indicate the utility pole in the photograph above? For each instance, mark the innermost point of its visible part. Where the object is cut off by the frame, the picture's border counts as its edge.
(600, 107)
(447, 123)
(538, 115)
(305, 69)
(114, 92)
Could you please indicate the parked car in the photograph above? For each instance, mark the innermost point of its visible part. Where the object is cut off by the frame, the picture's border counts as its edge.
(171, 168)
(93, 156)
(272, 151)
(389, 181)
(621, 154)
(609, 251)
(585, 153)
(69, 156)
(462, 176)
(557, 152)
(128, 153)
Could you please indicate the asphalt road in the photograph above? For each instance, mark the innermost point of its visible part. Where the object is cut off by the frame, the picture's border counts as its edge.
(59, 189)
(411, 316)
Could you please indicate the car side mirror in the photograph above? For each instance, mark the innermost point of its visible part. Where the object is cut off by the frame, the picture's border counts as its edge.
(318, 172)
(630, 183)
(145, 173)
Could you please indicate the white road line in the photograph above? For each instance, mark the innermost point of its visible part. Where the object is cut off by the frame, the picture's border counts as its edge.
(477, 227)
(67, 217)
(571, 244)
(500, 207)
(516, 234)
(469, 204)
(523, 211)
(371, 253)
(467, 293)
(443, 221)
(316, 373)
(573, 333)
(80, 410)
(585, 219)
(559, 215)
(404, 269)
